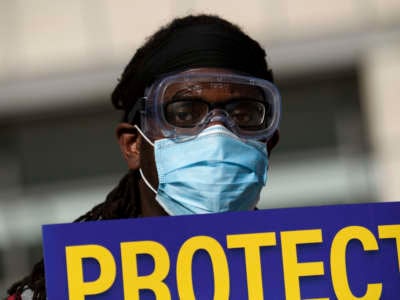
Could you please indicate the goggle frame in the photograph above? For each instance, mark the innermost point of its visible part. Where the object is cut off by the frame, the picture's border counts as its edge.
(151, 107)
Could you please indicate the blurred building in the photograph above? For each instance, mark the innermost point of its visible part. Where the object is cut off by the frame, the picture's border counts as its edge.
(335, 62)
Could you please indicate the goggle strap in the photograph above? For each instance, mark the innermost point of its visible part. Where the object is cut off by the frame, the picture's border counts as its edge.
(138, 107)
(143, 135)
(147, 182)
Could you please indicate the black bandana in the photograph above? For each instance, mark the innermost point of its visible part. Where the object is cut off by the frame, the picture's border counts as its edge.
(207, 45)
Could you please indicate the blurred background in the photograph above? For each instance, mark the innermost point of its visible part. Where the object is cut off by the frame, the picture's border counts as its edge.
(337, 64)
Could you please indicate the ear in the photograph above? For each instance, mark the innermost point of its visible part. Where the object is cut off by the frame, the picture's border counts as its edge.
(129, 142)
(273, 141)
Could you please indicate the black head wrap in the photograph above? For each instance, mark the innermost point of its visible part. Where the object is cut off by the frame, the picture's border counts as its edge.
(206, 41)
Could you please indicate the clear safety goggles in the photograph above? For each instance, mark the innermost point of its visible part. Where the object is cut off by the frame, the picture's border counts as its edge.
(181, 106)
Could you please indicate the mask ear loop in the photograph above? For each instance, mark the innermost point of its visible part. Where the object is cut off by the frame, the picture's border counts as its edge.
(143, 135)
(147, 182)
(140, 169)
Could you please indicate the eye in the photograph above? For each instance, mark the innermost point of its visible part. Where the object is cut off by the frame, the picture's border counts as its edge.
(185, 113)
(240, 116)
(248, 113)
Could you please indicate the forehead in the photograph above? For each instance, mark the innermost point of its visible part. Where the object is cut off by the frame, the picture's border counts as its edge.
(211, 90)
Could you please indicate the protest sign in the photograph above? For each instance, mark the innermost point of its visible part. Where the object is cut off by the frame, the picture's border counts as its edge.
(327, 252)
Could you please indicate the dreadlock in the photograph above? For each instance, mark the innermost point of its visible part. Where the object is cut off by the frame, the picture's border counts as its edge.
(121, 202)
(124, 200)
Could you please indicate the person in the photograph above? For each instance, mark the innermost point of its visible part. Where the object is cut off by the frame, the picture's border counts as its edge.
(200, 119)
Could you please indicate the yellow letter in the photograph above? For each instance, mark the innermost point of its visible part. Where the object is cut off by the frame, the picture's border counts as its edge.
(77, 288)
(391, 232)
(219, 264)
(292, 269)
(154, 281)
(338, 262)
(251, 243)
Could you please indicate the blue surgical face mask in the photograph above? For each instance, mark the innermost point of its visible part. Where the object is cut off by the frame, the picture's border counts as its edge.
(214, 172)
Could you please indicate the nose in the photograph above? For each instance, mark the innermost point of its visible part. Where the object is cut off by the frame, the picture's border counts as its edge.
(220, 117)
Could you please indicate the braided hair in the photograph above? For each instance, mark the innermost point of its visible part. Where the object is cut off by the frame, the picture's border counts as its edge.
(147, 63)
(121, 202)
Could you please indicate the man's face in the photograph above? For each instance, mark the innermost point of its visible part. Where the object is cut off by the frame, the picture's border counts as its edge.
(183, 105)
